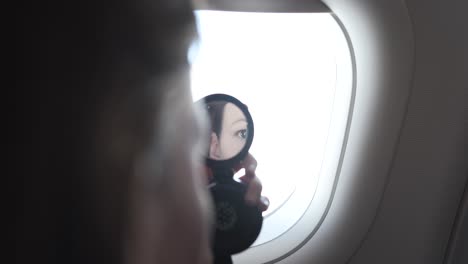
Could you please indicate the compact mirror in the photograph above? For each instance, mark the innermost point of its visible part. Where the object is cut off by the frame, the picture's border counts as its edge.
(229, 130)
(231, 134)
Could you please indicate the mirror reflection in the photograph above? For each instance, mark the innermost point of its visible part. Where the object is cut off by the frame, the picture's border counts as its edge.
(229, 130)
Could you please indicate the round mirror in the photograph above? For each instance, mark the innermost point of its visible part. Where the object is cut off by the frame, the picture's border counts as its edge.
(228, 130)
(231, 132)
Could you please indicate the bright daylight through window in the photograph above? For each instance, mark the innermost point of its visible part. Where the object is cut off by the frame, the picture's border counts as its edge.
(285, 68)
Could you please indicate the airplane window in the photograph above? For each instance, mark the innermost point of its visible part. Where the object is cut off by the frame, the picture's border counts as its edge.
(285, 67)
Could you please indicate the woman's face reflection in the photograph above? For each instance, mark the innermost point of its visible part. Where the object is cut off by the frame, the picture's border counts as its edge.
(232, 135)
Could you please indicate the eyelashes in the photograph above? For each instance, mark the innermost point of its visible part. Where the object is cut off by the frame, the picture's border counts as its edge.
(242, 134)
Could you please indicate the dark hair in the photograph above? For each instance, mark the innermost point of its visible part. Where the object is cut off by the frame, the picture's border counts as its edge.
(216, 112)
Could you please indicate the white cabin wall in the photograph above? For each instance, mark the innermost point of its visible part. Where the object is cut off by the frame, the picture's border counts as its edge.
(429, 174)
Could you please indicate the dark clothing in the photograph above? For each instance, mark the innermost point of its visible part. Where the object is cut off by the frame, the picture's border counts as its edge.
(226, 259)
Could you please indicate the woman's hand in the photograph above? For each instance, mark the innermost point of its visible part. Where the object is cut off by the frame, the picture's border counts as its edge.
(254, 186)
(254, 190)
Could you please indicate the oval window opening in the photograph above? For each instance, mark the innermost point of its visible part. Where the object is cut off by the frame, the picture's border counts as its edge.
(290, 70)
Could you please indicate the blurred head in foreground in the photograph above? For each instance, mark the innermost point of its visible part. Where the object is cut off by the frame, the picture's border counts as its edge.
(106, 136)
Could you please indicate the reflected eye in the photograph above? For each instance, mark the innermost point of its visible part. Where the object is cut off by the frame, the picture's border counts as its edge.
(242, 133)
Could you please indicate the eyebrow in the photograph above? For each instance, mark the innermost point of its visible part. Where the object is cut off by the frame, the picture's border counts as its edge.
(239, 120)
